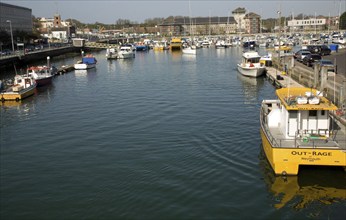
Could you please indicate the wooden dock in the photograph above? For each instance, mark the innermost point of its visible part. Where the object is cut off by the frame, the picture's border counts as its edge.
(279, 79)
(65, 69)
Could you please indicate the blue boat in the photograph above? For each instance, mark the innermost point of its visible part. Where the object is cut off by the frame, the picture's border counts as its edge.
(142, 47)
(88, 62)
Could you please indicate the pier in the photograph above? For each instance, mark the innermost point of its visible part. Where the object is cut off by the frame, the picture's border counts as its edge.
(280, 79)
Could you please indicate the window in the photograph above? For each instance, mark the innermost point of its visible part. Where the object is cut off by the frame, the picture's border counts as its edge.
(323, 112)
(293, 114)
(312, 113)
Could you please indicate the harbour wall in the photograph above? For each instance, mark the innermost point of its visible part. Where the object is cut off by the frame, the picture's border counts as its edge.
(24, 59)
(332, 85)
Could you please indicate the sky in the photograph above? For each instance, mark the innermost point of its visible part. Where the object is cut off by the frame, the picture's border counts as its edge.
(108, 12)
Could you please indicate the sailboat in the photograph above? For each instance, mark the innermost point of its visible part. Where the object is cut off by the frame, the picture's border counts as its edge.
(190, 49)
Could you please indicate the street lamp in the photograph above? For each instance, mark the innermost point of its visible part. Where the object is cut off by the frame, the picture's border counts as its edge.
(11, 35)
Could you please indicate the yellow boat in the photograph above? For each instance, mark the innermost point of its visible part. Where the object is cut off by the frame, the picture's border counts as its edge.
(296, 129)
(24, 86)
(176, 44)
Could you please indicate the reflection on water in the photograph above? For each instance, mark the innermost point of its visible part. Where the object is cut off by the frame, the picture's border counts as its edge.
(80, 73)
(22, 109)
(325, 185)
(251, 87)
(111, 66)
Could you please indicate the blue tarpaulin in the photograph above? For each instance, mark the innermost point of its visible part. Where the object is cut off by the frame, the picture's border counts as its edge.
(89, 60)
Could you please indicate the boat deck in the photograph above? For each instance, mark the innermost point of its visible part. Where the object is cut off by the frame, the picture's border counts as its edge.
(336, 141)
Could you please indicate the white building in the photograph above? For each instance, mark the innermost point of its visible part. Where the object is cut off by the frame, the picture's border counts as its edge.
(309, 24)
(239, 15)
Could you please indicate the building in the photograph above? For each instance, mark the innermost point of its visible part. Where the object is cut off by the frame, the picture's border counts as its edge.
(19, 17)
(198, 26)
(239, 15)
(252, 23)
(307, 24)
(55, 28)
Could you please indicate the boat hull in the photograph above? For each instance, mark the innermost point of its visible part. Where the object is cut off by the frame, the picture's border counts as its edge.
(189, 51)
(251, 71)
(110, 56)
(286, 161)
(16, 96)
(84, 66)
(44, 81)
(125, 55)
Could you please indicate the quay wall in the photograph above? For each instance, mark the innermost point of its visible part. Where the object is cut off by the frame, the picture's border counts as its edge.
(21, 59)
(333, 85)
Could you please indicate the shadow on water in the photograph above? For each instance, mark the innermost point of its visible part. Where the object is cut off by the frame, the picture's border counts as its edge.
(313, 185)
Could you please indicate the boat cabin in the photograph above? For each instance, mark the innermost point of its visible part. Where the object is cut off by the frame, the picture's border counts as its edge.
(251, 57)
(301, 112)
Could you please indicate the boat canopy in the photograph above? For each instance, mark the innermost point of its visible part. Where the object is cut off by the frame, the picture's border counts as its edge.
(89, 60)
(288, 97)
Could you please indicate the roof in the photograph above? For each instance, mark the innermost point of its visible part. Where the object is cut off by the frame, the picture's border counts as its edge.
(251, 15)
(15, 6)
(239, 11)
(287, 95)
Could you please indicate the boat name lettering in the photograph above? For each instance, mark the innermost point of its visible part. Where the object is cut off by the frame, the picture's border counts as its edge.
(313, 153)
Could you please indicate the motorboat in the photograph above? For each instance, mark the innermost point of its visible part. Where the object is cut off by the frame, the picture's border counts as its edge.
(126, 52)
(112, 53)
(87, 62)
(43, 75)
(296, 132)
(251, 65)
(189, 50)
(23, 86)
(176, 44)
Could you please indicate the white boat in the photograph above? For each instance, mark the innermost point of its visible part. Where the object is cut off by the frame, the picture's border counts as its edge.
(126, 52)
(251, 65)
(206, 43)
(23, 86)
(189, 50)
(88, 62)
(111, 53)
(42, 75)
(220, 44)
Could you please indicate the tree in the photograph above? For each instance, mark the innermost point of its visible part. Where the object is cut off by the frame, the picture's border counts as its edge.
(342, 25)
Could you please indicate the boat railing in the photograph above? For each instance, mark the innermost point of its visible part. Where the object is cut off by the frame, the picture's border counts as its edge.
(320, 138)
(315, 139)
(271, 138)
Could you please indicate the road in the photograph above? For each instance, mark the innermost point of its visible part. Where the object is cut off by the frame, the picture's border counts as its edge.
(339, 59)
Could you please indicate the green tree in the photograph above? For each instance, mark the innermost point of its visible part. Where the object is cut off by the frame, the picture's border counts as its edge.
(342, 25)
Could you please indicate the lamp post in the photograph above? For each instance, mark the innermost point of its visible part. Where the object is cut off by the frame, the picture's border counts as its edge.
(11, 35)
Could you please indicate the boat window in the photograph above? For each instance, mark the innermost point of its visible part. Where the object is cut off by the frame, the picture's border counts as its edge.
(293, 113)
(323, 112)
(312, 113)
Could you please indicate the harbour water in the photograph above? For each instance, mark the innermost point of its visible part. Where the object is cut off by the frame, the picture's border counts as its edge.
(161, 136)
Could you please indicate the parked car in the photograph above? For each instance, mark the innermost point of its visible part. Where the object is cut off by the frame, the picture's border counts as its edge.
(6, 52)
(310, 59)
(301, 54)
(322, 50)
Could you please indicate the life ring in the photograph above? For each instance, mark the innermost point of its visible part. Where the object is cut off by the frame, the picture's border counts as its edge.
(305, 139)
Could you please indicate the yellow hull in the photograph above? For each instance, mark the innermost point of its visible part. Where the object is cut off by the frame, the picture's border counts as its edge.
(287, 160)
(176, 44)
(158, 48)
(16, 96)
